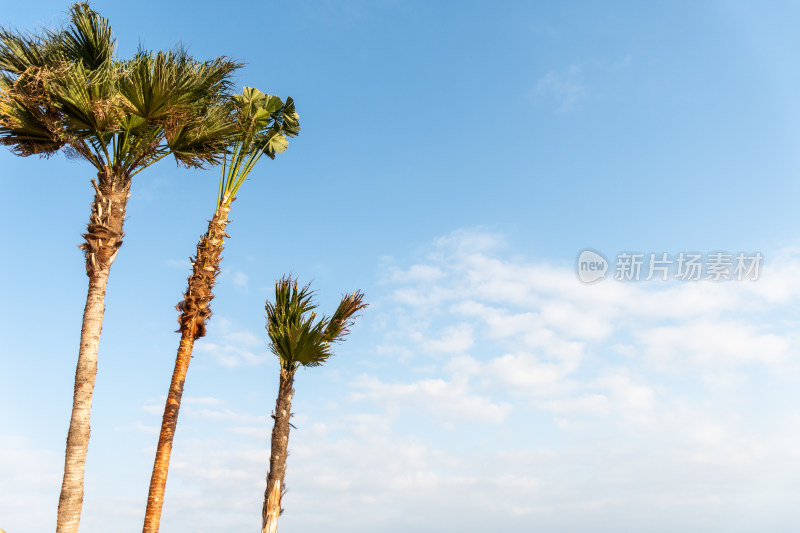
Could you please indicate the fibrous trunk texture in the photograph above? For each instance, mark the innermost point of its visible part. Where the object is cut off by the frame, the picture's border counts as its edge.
(278, 454)
(194, 310)
(102, 241)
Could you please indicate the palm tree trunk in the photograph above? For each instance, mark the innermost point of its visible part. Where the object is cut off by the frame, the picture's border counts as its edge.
(158, 480)
(278, 454)
(102, 241)
(195, 311)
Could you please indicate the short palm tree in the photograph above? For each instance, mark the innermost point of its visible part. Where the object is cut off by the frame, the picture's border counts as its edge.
(299, 340)
(66, 90)
(264, 122)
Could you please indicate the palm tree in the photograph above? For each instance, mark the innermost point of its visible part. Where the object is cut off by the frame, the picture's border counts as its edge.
(264, 122)
(298, 341)
(66, 90)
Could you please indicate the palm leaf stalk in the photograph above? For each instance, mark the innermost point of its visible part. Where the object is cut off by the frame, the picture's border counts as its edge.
(298, 339)
(265, 121)
(65, 90)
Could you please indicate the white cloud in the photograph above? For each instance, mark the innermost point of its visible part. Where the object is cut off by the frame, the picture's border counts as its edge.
(447, 400)
(417, 273)
(180, 264)
(715, 344)
(527, 372)
(453, 339)
(506, 396)
(585, 403)
(545, 310)
(644, 383)
(231, 347)
(565, 87)
(30, 475)
(361, 474)
(201, 400)
(240, 279)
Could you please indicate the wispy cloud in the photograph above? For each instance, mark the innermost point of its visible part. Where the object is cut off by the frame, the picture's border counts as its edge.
(240, 279)
(448, 400)
(564, 88)
(232, 347)
(620, 370)
(544, 404)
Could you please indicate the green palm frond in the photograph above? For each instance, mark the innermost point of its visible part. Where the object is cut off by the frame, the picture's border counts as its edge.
(273, 123)
(290, 325)
(159, 85)
(297, 337)
(185, 98)
(87, 40)
(300, 344)
(25, 128)
(289, 119)
(264, 122)
(204, 139)
(85, 98)
(291, 303)
(343, 318)
(20, 52)
(67, 84)
(150, 85)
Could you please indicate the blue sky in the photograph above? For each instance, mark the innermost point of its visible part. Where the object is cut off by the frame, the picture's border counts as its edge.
(454, 160)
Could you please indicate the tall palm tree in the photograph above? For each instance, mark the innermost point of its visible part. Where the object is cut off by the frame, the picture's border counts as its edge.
(264, 122)
(65, 90)
(298, 339)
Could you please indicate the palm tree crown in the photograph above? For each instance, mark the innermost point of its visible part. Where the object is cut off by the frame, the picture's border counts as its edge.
(65, 89)
(297, 337)
(263, 124)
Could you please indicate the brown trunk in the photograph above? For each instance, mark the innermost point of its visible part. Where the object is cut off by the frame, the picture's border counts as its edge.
(158, 480)
(195, 311)
(102, 241)
(278, 454)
